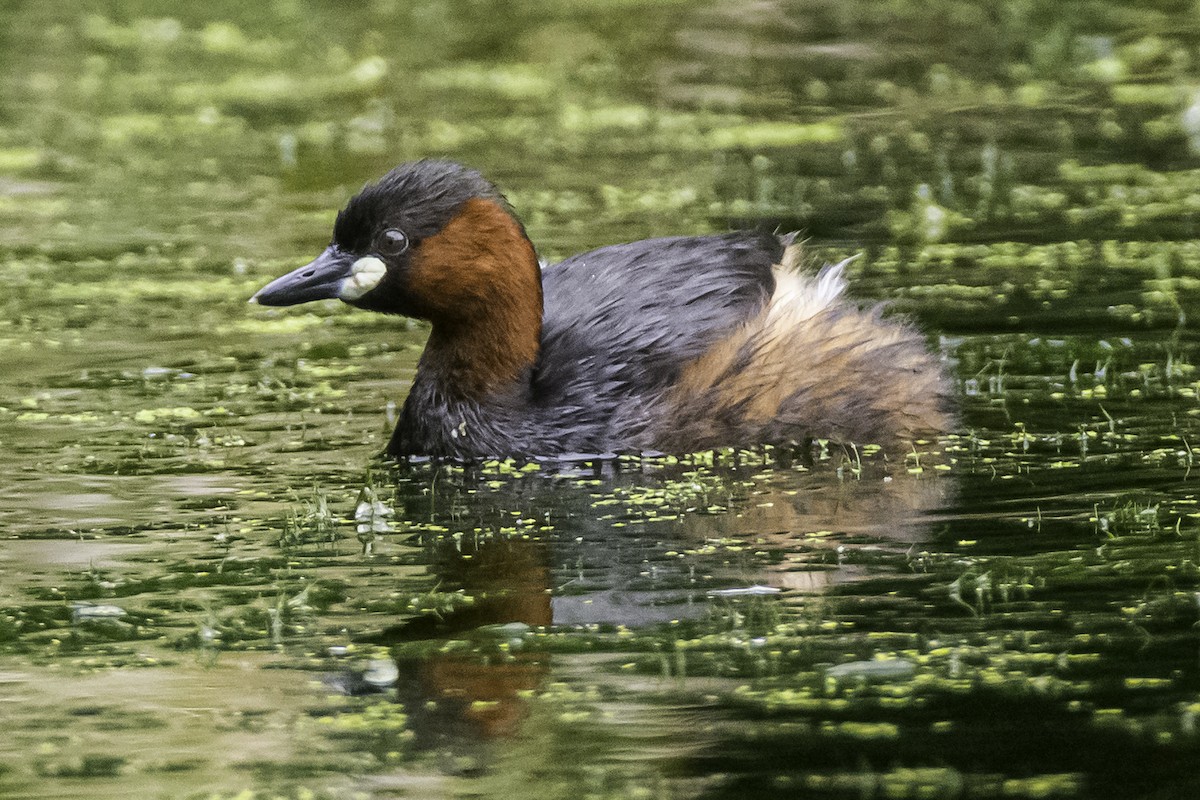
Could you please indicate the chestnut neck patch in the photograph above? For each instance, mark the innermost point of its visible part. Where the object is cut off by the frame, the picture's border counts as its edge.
(478, 282)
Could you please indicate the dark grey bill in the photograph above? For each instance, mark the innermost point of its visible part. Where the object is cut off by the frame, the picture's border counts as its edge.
(320, 279)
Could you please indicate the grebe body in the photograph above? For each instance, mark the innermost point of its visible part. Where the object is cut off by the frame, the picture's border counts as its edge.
(673, 344)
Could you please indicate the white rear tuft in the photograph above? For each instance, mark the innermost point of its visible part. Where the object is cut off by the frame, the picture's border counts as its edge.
(800, 296)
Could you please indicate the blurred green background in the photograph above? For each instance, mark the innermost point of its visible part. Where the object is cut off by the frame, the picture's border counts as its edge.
(1010, 612)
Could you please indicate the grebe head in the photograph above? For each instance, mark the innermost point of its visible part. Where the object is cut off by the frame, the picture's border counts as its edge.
(434, 240)
(427, 240)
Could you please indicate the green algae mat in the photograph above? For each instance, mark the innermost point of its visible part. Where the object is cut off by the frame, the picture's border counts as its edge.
(211, 586)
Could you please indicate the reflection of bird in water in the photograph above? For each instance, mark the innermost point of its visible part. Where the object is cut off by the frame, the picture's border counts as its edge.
(674, 344)
(589, 572)
(812, 518)
(477, 691)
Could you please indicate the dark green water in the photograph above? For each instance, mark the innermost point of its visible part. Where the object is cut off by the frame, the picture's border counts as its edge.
(197, 601)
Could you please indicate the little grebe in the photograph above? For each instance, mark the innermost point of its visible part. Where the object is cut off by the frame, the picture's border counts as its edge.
(672, 344)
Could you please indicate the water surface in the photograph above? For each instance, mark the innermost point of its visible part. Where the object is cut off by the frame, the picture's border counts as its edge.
(211, 585)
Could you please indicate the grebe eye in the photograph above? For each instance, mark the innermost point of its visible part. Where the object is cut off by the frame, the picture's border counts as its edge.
(393, 242)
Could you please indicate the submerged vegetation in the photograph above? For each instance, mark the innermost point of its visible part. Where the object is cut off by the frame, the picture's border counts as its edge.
(211, 586)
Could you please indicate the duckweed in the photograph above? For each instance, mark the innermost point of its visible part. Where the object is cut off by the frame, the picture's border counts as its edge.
(199, 531)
